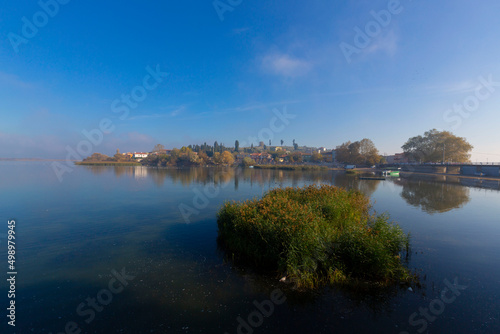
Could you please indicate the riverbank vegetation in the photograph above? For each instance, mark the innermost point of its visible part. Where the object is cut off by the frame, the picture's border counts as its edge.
(315, 235)
(291, 167)
(107, 163)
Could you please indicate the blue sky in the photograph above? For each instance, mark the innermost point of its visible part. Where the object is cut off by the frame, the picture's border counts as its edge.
(225, 77)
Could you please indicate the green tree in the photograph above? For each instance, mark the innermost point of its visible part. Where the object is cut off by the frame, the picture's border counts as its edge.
(227, 158)
(193, 158)
(358, 152)
(295, 157)
(437, 146)
(174, 156)
(248, 162)
(368, 152)
(97, 157)
(119, 157)
(316, 157)
(185, 149)
(217, 158)
(354, 153)
(203, 157)
(342, 152)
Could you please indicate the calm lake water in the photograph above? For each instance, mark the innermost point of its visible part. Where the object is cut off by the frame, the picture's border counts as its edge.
(71, 237)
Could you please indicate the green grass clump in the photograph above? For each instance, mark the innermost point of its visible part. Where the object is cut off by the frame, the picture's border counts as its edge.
(315, 235)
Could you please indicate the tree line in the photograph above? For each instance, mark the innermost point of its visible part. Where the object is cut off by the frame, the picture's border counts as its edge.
(434, 146)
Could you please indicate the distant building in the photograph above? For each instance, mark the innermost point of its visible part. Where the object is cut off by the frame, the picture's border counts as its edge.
(140, 155)
(275, 148)
(261, 157)
(306, 157)
(327, 156)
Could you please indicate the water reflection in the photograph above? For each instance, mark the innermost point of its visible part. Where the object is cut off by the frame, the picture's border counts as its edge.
(276, 178)
(434, 196)
(224, 176)
(367, 187)
(104, 218)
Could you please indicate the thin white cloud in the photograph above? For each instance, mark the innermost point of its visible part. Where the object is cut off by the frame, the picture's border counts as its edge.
(285, 65)
(387, 42)
(13, 81)
(178, 111)
(463, 87)
(137, 117)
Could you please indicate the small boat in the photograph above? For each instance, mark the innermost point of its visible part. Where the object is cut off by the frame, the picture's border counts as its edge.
(393, 173)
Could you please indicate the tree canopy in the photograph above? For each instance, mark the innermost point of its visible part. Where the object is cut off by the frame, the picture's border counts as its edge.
(359, 152)
(437, 146)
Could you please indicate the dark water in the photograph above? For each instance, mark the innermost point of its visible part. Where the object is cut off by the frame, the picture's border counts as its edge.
(72, 235)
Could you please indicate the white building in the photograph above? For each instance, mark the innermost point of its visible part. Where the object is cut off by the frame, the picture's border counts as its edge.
(140, 155)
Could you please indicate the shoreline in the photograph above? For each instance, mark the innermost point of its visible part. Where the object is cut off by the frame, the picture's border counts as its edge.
(493, 178)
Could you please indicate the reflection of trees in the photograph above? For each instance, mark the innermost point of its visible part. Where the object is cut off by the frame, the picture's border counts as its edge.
(123, 170)
(367, 187)
(433, 197)
(96, 170)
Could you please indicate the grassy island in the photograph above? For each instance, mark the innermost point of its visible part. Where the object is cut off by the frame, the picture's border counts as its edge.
(316, 235)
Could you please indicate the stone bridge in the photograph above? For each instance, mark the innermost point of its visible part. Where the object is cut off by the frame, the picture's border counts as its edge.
(455, 169)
